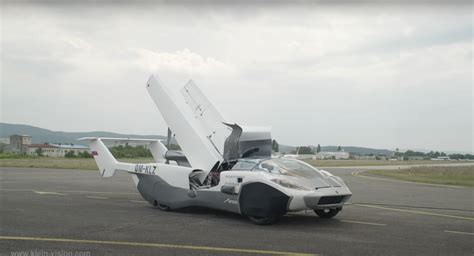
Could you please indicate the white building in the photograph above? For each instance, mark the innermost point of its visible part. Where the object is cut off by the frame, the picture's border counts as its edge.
(333, 155)
(441, 158)
(321, 155)
(300, 156)
(56, 150)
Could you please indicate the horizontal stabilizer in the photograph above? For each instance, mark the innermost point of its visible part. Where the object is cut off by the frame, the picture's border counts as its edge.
(156, 147)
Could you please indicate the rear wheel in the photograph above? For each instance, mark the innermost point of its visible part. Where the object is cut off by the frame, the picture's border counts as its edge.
(327, 213)
(161, 206)
(262, 220)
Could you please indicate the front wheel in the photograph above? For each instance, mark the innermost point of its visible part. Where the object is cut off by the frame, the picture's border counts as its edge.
(262, 220)
(327, 213)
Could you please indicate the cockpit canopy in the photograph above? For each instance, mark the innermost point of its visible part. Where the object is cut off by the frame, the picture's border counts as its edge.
(281, 166)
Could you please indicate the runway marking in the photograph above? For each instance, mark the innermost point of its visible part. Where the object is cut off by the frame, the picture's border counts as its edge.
(364, 223)
(97, 197)
(70, 191)
(412, 206)
(48, 193)
(459, 232)
(138, 201)
(156, 245)
(358, 174)
(99, 192)
(417, 212)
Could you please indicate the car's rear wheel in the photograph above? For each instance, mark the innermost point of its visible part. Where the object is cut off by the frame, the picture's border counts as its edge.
(262, 220)
(161, 206)
(327, 213)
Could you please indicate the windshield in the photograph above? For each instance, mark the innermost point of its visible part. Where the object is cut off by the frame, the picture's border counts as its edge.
(245, 165)
(288, 167)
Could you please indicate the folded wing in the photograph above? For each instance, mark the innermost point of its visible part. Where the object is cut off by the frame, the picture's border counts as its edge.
(192, 133)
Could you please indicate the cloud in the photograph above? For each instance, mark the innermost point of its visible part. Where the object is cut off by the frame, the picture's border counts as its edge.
(383, 76)
(181, 62)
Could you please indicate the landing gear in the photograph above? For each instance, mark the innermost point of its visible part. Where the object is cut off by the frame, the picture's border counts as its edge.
(327, 213)
(262, 220)
(161, 206)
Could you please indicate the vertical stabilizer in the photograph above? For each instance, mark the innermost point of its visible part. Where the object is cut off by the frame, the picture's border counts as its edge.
(102, 156)
(158, 151)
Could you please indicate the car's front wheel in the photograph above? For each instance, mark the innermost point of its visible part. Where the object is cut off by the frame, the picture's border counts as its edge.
(327, 213)
(262, 220)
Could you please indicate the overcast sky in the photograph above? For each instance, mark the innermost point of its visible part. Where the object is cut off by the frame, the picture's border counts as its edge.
(375, 75)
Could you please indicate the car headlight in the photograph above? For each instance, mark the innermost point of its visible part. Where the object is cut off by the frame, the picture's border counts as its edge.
(288, 184)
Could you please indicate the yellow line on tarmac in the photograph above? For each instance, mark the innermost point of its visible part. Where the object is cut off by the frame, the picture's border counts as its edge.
(459, 232)
(417, 212)
(156, 245)
(99, 192)
(48, 193)
(364, 223)
(97, 197)
(69, 191)
(139, 201)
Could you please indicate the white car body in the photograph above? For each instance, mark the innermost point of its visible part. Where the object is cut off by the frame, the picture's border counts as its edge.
(224, 166)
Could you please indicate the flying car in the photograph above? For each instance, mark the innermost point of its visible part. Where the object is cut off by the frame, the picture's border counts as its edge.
(221, 165)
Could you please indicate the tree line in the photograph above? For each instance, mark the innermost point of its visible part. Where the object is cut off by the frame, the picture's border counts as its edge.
(433, 154)
(127, 151)
(304, 150)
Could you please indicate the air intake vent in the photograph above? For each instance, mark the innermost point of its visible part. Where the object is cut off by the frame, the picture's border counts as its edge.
(330, 200)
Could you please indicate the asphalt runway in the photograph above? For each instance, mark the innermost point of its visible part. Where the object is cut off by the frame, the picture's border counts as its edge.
(76, 212)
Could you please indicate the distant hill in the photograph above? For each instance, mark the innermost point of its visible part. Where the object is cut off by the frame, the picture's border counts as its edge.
(359, 150)
(40, 135)
(350, 149)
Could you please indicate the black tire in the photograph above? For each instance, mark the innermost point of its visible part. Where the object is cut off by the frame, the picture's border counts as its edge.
(161, 206)
(327, 213)
(262, 220)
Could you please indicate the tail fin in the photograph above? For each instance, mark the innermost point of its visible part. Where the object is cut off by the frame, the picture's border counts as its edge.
(102, 156)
